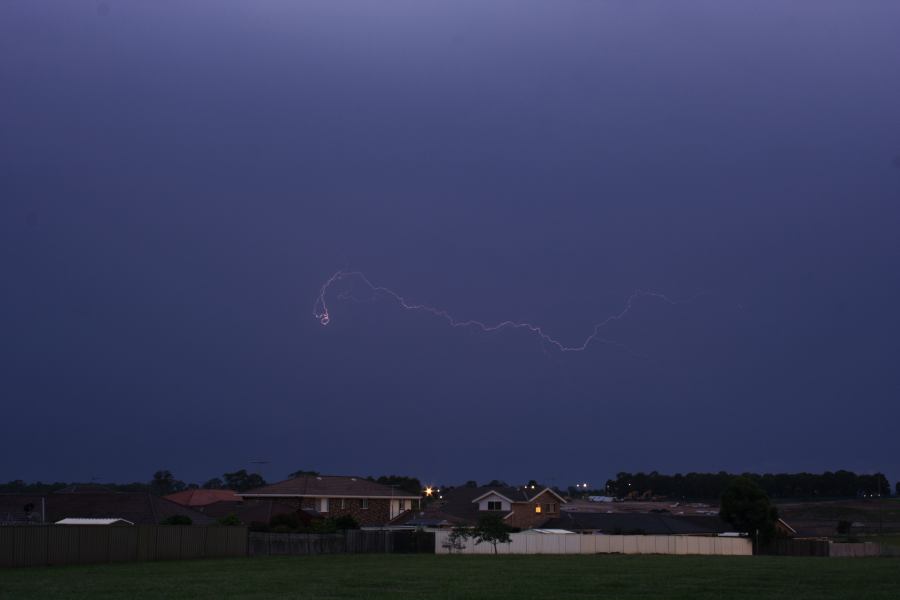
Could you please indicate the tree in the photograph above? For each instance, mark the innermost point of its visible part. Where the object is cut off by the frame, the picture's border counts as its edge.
(491, 529)
(746, 506)
(164, 483)
(213, 484)
(402, 483)
(302, 473)
(843, 527)
(456, 541)
(241, 481)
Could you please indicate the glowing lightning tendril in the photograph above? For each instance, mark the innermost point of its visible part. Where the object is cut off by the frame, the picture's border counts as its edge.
(320, 311)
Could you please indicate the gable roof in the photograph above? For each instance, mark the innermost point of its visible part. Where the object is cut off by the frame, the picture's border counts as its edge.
(328, 486)
(525, 493)
(200, 497)
(492, 493)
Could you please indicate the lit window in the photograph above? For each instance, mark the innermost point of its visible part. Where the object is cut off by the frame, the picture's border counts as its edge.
(364, 503)
(494, 505)
(537, 508)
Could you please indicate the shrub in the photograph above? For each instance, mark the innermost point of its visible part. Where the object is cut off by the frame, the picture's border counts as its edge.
(231, 519)
(285, 523)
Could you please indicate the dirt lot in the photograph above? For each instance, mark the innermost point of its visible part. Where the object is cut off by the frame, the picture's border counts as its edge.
(635, 506)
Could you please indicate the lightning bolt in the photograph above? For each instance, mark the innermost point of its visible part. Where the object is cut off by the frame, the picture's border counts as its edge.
(323, 315)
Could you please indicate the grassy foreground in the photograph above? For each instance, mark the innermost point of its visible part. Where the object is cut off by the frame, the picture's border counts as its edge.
(446, 577)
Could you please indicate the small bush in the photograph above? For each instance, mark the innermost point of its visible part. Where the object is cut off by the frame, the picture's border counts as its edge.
(230, 520)
(285, 523)
(345, 522)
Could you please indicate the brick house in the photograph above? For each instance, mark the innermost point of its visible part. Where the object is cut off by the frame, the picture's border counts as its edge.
(523, 507)
(331, 496)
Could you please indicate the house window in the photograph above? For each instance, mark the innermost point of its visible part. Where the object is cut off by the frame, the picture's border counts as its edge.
(550, 508)
(494, 505)
(537, 508)
(343, 503)
(323, 505)
(364, 503)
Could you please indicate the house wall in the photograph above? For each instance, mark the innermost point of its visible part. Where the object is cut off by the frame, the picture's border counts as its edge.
(402, 505)
(525, 517)
(483, 503)
(379, 512)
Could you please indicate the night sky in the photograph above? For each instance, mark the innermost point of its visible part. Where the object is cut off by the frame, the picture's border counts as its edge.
(178, 180)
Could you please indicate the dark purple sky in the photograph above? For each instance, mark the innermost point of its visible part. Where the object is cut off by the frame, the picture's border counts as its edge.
(178, 179)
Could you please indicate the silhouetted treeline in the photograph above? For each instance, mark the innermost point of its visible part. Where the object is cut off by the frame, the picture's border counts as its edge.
(706, 486)
(17, 486)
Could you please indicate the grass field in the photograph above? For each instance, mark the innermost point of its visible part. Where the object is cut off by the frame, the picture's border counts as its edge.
(445, 577)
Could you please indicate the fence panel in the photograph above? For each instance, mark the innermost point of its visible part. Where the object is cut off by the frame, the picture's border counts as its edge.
(351, 541)
(123, 544)
(549, 543)
(27, 545)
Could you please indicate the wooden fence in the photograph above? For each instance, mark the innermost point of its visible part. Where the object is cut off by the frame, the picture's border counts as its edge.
(348, 542)
(788, 547)
(552, 543)
(30, 545)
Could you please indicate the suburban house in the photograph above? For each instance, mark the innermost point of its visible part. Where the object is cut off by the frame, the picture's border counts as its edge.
(371, 504)
(523, 507)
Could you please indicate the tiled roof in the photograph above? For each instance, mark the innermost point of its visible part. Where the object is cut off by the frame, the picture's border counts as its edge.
(329, 486)
(140, 508)
(202, 497)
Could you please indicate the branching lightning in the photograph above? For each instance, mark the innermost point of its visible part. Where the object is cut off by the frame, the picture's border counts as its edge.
(323, 315)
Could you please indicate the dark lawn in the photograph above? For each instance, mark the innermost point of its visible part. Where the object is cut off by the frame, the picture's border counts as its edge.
(441, 577)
